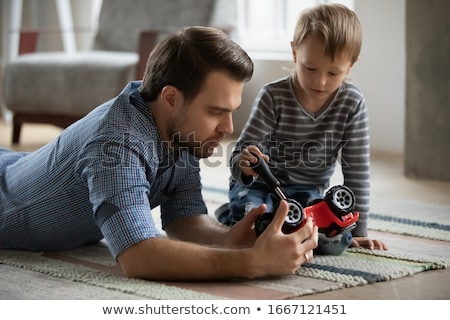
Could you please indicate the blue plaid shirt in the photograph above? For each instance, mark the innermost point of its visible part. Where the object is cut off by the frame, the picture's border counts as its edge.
(98, 179)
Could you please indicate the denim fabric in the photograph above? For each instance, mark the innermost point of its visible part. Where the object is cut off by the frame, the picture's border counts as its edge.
(244, 198)
(334, 248)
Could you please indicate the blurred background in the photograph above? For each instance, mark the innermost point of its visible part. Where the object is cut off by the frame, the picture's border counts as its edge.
(403, 69)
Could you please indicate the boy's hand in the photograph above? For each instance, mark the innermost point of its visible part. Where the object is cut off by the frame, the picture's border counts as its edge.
(248, 156)
(365, 242)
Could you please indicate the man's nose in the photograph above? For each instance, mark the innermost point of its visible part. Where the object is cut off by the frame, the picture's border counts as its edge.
(226, 124)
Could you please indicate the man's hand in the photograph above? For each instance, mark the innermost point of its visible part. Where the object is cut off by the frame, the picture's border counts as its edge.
(242, 234)
(283, 254)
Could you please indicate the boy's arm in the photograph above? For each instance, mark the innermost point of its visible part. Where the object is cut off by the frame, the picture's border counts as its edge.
(355, 161)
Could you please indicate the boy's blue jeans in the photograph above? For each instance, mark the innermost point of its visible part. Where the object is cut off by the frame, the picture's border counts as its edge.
(243, 199)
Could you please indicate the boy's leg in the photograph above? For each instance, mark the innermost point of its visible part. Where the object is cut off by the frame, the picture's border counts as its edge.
(305, 194)
(334, 248)
(242, 200)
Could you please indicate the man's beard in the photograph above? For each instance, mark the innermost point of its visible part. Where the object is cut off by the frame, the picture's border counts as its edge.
(192, 145)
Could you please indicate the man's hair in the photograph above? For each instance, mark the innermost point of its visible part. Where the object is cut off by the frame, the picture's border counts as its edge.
(185, 58)
(337, 25)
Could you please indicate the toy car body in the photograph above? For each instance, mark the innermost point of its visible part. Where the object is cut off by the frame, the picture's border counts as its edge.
(333, 214)
(324, 212)
(330, 214)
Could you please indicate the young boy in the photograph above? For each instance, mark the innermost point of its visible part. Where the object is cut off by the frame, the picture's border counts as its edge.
(302, 124)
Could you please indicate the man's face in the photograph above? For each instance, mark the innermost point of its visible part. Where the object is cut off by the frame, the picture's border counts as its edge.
(201, 124)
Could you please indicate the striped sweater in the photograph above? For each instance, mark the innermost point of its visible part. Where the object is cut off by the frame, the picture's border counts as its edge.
(304, 147)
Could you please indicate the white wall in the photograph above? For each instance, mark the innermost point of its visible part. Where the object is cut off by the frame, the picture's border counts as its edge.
(380, 73)
(265, 70)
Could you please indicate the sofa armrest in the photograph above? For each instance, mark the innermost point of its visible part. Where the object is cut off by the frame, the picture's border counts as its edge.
(147, 41)
(28, 41)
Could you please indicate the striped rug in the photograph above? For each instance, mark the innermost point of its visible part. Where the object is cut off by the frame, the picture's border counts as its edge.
(93, 266)
(409, 227)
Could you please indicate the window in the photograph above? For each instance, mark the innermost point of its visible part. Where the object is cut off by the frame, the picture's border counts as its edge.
(267, 26)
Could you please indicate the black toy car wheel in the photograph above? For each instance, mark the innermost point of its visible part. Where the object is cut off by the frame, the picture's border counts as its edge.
(262, 223)
(292, 222)
(341, 200)
(295, 213)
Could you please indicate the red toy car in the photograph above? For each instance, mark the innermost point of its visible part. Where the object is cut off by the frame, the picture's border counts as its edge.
(333, 214)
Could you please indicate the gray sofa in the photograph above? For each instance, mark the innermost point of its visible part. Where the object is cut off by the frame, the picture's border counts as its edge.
(59, 88)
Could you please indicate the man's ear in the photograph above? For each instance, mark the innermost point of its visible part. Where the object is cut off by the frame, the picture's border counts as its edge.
(169, 95)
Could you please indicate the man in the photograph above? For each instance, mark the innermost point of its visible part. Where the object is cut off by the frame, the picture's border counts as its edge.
(102, 176)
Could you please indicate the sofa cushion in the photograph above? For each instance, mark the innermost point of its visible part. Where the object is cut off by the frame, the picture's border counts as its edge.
(68, 84)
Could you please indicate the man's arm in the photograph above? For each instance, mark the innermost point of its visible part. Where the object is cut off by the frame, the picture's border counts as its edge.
(204, 229)
(273, 253)
(168, 259)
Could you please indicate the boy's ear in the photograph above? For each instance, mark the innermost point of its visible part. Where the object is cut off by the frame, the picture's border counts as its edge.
(353, 63)
(351, 66)
(294, 52)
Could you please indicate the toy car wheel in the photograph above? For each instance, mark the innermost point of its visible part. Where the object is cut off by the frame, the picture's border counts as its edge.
(262, 223)
(295, 213)
(340, 199)
(292, 222)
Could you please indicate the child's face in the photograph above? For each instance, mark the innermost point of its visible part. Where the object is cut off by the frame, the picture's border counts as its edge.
(318, 75)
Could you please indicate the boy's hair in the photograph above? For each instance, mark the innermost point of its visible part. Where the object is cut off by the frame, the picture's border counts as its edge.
(185, 58)
(337, 25)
